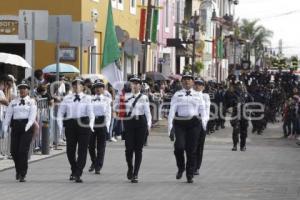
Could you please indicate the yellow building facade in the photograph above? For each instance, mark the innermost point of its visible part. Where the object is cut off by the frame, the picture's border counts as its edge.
(126, 15)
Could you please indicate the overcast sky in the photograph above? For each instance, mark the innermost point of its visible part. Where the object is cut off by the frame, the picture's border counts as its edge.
(280, 16)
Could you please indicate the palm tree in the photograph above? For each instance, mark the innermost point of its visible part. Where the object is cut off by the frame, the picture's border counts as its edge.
(256, 35)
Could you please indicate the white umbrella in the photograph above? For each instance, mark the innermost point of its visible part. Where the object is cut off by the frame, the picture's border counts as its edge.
(13, 59)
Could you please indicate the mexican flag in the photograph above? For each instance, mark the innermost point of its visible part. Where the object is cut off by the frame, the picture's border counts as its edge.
(110, 67)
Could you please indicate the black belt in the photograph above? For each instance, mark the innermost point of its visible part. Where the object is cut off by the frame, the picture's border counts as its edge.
(136, 117)
(84, 120)
(20, 120)
(99, 119)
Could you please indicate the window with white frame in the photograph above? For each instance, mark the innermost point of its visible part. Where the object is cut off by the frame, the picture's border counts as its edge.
(114, 3)
(167, 14)
(120, 4)
(143, 2)
(133, 7)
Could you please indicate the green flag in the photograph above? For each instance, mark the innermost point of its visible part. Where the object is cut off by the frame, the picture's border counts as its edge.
(111, 52)
(154, 25)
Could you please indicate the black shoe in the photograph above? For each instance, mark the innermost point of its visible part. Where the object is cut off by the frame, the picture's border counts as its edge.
(243, 148)
(97, 171)
(18, 177)
(179, 175)
(190, 179)
(234, 148)
(92, 168)
(134, 179)
(259, 132)
(129, 174)
(72, 177)
(22, 179)
(222, 127)
(196, 172)
(78, 179)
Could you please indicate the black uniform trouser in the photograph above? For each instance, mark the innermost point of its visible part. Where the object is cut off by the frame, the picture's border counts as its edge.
(221, 115)
(135, 133)
(98, 139)
(240, 127)
(257, 124)
(78, 133)
(200, 148)
(287, 127)
(20, 145)
(187, 137)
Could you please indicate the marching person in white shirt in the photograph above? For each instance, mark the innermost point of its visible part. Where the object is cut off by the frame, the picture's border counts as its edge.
(184, 118)
(78, 123)
(102, 111)
(199, 87)
(21, 115)
(137, 121)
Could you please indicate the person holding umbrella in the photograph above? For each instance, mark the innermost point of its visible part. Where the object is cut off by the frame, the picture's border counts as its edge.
(21, 115)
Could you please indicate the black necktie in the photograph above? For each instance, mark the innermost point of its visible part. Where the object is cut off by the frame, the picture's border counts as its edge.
(97, 99)
(77, 98)
(22, 102)
(188, 93)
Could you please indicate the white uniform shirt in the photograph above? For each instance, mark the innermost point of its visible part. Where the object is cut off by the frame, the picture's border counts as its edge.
(205, 118)
(75, 109)
(102, 107)
(142, 106)
(17, 110)
(186, 104)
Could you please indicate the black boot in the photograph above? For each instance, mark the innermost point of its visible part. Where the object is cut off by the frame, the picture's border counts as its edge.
(234, 148)
(72, 177)
(129, 156)
(190, 179)
(78, 179)
(243, 148)
(18, 176)
(130, 173)
(22, 179)
(92, 168)
(196, 172)
(179, 174)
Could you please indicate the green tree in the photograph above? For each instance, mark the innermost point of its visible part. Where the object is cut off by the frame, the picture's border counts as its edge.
(257, 36)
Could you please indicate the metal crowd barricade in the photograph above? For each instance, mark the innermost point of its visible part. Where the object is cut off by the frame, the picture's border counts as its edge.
(41, 128)
(4, 145)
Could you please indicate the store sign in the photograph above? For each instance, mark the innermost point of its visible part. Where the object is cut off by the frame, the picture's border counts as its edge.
(8, 27)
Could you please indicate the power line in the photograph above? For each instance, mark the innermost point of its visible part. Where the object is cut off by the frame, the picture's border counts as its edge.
(282, 14)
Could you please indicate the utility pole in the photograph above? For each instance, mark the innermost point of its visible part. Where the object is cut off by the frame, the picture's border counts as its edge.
(234, 54)
(194, 43)
(147, 34)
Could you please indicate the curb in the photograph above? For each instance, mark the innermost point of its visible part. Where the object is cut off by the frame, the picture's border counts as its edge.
(33, 161)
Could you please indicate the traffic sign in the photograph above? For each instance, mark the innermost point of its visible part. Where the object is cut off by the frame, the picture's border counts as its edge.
(82, 34)
(33, 24)
(60, 27)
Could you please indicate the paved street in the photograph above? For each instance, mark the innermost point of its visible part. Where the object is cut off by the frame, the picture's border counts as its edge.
(269, 169)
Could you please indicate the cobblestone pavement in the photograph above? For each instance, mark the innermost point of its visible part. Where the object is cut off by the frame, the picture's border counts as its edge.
(269, 169)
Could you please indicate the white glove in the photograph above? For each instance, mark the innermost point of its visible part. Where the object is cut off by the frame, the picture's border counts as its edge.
(5, 128)
(27, 127)
(91, 124)
(204, 124)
